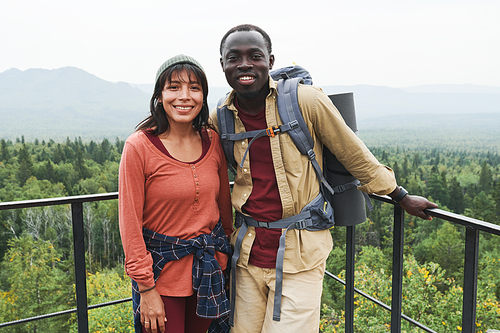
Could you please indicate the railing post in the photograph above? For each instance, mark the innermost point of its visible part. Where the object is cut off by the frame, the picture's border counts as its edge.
(470, 280)
(349, 280)
(397, 269)
(80, 271)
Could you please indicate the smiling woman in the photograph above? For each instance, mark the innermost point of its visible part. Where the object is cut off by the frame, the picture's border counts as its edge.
(174, 198)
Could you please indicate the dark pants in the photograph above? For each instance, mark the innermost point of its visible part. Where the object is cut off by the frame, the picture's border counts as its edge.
(181, 316)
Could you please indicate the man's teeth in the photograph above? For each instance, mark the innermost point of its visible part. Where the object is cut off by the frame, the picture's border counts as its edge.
(246, 78)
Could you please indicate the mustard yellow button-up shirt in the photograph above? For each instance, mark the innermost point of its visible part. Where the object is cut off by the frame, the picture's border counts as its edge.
(297, 181)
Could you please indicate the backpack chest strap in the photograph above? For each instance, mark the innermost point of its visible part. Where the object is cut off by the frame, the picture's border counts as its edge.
(254, 135)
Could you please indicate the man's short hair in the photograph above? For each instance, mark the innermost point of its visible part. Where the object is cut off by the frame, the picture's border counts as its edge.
(247, 27)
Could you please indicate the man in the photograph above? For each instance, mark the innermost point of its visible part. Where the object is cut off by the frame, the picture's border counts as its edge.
(277, 182)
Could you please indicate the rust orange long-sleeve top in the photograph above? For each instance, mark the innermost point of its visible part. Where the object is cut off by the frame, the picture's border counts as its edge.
(173, 198)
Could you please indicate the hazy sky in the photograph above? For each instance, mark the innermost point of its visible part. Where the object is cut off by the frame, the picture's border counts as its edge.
(377, 42)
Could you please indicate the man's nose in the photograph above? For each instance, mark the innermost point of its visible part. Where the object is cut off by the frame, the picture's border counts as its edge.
(245, 64)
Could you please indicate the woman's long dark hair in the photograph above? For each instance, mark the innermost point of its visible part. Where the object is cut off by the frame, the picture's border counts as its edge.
(157, 122)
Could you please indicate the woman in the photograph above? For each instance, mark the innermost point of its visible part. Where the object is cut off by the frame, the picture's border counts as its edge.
(174, 200)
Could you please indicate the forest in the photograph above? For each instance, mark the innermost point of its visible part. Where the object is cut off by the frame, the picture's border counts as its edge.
(36, 259)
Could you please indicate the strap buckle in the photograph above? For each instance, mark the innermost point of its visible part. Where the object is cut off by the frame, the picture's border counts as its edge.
(270, 131)
(294, 124)
(302, 224)
(263, 224)
(223, 137)
(311, 154)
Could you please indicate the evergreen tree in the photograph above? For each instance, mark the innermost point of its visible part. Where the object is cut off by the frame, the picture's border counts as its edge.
(4, 151)
(485, 178)
(416, 161)
(405, 167)
(437, 188)
(397, 173)
(456, 197)
(495, 195)
(58, 154)
(49, 171)
(25, 165)
(80, 165)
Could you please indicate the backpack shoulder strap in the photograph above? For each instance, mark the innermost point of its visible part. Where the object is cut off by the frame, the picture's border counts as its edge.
(289, 111)
(225, 120)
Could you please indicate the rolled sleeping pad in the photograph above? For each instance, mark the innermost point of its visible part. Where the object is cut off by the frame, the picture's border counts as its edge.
(348, 206)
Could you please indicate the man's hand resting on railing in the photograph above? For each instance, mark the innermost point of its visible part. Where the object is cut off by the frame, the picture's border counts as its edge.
(412, 204)
(415, 205)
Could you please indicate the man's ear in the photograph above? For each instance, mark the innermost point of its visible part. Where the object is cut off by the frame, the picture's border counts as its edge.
(222, 64)
(271, 61)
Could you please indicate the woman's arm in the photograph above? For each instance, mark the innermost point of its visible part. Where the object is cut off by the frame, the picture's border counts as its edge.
(224, 201)
(131, 191)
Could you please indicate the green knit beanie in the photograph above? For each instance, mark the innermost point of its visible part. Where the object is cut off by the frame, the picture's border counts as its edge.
(178, 59)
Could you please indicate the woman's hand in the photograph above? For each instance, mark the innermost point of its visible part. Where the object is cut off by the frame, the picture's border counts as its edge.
(152, 311)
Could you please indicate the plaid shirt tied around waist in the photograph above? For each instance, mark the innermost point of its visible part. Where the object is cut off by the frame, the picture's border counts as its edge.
(208, 278)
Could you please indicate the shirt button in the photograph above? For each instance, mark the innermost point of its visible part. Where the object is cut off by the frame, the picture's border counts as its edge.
(197, 192)
(245, 170)
(249, 234)
(244, 194)
(195, 199)
(195, 176)
(197, 183)
(243, 143)
(192, 167)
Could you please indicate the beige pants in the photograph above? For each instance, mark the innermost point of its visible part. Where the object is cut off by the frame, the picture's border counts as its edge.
(300, 301)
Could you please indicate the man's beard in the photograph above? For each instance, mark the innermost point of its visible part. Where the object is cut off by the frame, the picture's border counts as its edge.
(248, 94)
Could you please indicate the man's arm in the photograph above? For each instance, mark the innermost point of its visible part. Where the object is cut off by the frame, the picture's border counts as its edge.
(413, 204)
(353, 154)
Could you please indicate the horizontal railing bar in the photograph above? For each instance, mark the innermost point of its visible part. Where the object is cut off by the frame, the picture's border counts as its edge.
(465, 221)
(60, 313)
(123, 300)
(452, 217)
(58, 201)
(379, 303)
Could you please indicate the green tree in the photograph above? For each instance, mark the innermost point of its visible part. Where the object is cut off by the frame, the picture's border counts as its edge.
(437, 188)
(495, 195)
(5, 155)
(485, 178)
(105, 286)
(25, 165)
(482, 208)
(37, 286)
(456, 196)
(416, 161)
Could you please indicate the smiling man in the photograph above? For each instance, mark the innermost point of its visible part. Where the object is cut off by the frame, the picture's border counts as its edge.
(275, 183)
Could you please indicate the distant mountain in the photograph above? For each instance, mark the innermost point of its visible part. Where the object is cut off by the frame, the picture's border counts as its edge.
(39, 103)
(69, 102)
(375, 101)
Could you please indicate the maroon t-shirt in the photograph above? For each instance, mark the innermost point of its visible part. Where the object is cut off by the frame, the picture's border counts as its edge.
(264, 203)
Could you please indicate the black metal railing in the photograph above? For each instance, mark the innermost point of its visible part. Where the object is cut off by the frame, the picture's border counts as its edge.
(76, 203)
(473, 227)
